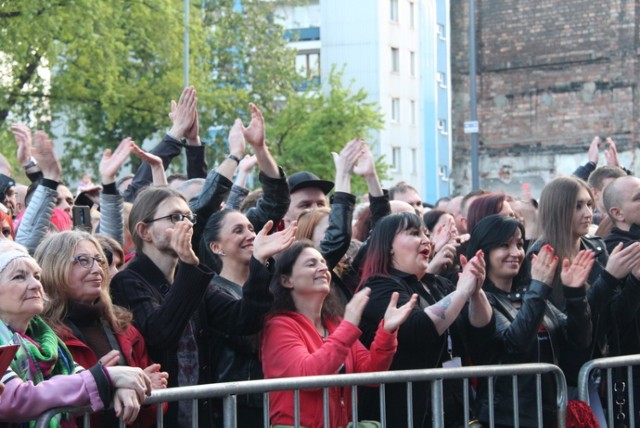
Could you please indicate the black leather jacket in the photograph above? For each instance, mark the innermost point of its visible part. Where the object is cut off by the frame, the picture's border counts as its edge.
(602, 288)
(167, 149)
(625, 308)
(517, 339)
(336, 240)
(272, 205)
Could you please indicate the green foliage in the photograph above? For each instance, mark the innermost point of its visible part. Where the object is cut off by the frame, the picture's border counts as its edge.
(95, 71)
(317, 122)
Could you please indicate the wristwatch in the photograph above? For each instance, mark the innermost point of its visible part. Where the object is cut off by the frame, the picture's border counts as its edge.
(235, 158)
(32, 162)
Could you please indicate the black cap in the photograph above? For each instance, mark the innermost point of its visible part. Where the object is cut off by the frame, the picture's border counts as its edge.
(305, 179)
(5, 183)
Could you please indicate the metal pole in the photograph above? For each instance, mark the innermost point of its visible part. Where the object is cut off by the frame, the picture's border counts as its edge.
(475, 179)
(185, 65)
(185, 70)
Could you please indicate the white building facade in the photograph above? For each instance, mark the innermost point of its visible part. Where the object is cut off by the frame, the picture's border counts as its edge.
(398, 51)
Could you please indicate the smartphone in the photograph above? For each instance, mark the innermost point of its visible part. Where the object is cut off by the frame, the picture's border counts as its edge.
(7, 353)
(82, 218)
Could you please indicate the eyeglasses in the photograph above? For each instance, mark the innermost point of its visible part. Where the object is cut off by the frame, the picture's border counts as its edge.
(86, 261)
(177, 217)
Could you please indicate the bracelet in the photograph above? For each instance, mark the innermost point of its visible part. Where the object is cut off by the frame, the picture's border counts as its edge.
(32, 162)
(235, 158)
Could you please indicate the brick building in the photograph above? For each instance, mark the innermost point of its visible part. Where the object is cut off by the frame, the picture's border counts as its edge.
(551, 75)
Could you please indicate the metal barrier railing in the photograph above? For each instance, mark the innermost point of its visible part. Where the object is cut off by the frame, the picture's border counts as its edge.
(608, 364)
(229, 391)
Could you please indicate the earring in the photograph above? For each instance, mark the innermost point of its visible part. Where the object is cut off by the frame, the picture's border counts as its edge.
(221, 254)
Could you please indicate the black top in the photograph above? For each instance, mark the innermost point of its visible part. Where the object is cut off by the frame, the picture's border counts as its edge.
(162, 311)
(420, 345)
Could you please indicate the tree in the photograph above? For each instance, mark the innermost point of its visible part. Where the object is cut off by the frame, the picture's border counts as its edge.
(93, 71)
(315, 123)
(250, 61)
(96, 71)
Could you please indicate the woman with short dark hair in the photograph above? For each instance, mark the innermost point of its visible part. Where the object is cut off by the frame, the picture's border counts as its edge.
(434, 333)
(528, 328)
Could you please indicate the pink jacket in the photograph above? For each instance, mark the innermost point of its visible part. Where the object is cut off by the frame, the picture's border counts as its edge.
(22, 401)
(291, 346)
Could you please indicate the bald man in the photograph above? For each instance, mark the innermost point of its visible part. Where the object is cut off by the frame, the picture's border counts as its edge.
(621, 200)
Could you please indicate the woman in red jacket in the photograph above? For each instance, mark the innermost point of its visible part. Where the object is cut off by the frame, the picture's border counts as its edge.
(79, 310)
(305, 336)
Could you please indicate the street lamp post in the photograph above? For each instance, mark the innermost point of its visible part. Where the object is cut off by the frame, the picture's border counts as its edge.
(475, 179)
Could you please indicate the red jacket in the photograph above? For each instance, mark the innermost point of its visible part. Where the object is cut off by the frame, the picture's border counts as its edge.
(291, 346)
(133, 350)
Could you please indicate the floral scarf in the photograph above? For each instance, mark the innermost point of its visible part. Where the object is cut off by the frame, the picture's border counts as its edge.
(41, 355)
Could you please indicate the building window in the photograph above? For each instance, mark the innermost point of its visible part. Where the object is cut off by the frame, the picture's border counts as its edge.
(395, 109)
(395, 60)
(395, 158)
(412, 14)
(414, 161)
(413, 112)
(442, 126)
(412, 63)
(308, 64)
(441, 33)
(441, 78)
(394, 10)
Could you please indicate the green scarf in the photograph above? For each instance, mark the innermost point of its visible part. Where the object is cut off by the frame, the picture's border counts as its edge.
(35, 363)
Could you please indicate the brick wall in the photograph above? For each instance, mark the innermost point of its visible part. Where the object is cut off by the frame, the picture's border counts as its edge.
(551, 75)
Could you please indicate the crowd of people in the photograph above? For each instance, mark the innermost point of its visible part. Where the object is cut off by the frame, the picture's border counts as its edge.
(148, 282)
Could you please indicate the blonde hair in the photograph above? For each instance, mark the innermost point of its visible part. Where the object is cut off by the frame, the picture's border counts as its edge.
(308, 220)
(55, 257)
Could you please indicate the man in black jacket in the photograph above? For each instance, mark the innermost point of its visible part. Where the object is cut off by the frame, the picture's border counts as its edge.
(621, 200)
(173, 304)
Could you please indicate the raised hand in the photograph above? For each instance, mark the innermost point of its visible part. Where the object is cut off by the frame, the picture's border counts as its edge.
(611, 154)
(193, 134)
(247, 163)
(544, 264)
(159, 379)
(126, 404)
(254, 134)
(266, 246)
(355, 307)
(575, 273)
(444, 234)
(394, 316)
(346, 160)
(366, 165)
(345, 163)
(180, 240)
(183, 113)
(155, 162)
(112, 161)
(237, 142)
(443, 259)
(594, 150)
(473, 274)
(22, 134)
(622, 260)
(43, 153)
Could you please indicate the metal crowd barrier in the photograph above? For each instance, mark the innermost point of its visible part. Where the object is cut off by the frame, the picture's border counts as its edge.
(608, 364)
(229, 391)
